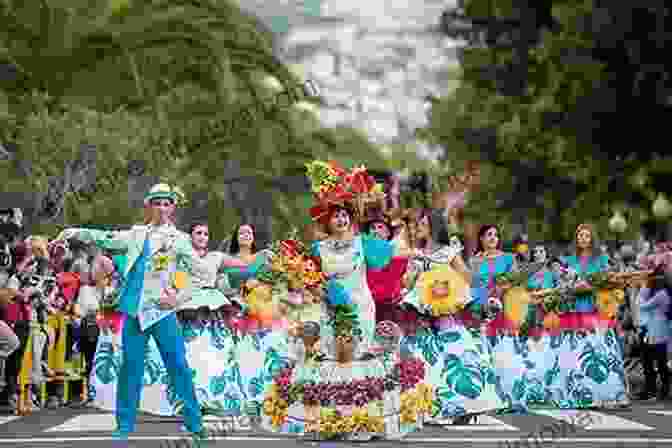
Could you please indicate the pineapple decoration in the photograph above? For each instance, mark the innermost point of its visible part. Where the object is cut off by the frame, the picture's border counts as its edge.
(516, 298)
(607, 297)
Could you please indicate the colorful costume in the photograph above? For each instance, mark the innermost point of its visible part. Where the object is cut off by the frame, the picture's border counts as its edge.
(158, 257)
(458, 362)
(260, 353)
(340, 384)
(515, 363)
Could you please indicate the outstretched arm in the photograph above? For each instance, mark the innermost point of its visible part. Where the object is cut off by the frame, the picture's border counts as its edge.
(110, 239)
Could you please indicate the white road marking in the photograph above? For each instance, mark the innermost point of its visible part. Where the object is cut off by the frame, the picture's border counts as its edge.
(483, 423)
(633, 441)
(107, 423)
(8, 418)
(593, 421)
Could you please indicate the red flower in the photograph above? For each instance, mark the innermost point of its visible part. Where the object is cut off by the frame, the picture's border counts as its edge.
(340, 172)
(289, 248)
(361, 182)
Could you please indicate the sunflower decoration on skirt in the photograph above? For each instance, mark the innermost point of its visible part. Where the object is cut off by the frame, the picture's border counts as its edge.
(444, 291)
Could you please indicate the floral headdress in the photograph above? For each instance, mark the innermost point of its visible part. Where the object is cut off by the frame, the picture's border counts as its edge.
(333, 186)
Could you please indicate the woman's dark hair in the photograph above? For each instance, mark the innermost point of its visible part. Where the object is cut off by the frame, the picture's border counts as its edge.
(482, 231)
(558, 260)
(195, 224)
(438, 226)
(332, 212)
(234, 247)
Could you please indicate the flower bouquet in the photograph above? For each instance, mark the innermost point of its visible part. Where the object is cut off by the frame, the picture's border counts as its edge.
(290, 286)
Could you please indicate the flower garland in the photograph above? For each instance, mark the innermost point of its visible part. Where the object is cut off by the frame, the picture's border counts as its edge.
(406, 375)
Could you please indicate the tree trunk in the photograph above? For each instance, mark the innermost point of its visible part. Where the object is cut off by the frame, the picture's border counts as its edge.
(252, 204)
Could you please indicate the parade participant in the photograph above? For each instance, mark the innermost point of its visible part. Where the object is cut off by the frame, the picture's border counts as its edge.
(156, 282)
(544, 277)
(206, 266)
(386, 284)
(509, 355)
(262, 346)
(583, 332)
(346, 387)
(211, 347)
(439, 289)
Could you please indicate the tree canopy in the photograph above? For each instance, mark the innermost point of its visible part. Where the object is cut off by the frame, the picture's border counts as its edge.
(564, 102)
(188, 90)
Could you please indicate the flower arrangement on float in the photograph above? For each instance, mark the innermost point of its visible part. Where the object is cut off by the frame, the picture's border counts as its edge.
(289, 287)
(352, 406)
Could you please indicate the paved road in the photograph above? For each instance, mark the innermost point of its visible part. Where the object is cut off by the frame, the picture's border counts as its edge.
(645, 425)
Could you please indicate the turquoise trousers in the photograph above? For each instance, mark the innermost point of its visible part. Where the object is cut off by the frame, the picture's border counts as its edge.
(171, 344)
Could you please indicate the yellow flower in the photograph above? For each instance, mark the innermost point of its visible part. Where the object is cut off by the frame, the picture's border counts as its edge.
(455, 286)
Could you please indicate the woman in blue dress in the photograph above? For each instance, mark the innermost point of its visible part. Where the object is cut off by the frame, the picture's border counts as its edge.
(516, 363)
(588, 360)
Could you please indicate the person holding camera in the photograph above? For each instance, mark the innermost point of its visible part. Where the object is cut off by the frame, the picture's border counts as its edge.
(654, 304)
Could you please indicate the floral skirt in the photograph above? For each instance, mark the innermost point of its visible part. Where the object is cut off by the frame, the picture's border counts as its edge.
(211, 356)
(570, 370)
(260, 356)
(458, 366)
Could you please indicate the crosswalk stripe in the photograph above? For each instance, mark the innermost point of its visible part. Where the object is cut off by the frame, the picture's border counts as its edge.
(7, 418)
(107, 423)
(483, 423)
(88, 423)
(593, 421)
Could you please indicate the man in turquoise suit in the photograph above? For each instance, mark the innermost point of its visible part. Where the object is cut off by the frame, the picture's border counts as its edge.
(156, 282)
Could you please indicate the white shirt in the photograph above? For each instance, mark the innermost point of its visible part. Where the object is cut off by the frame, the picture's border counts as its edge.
(157, 235)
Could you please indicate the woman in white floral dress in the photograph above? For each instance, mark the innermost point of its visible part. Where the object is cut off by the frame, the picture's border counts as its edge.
(453, 349)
